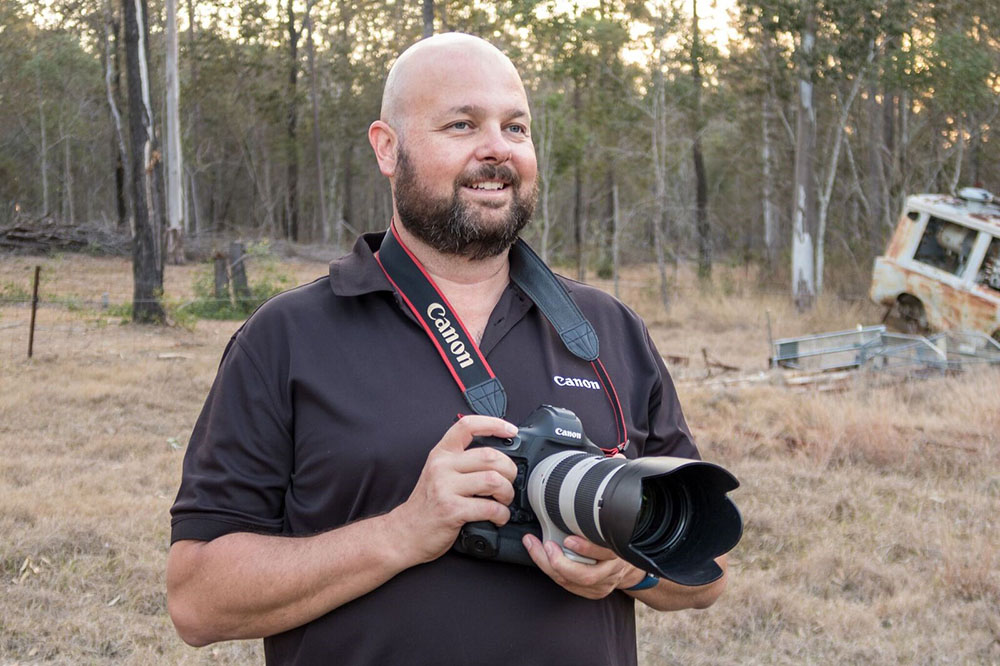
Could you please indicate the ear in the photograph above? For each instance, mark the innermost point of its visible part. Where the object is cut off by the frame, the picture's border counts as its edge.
(384, 142)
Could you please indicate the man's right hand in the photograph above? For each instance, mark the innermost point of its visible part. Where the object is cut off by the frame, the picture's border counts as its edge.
(457, 485)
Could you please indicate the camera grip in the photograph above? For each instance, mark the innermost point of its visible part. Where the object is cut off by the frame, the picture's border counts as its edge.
(486, 541)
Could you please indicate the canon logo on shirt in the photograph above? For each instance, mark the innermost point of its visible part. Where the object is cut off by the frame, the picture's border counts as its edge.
(576, 382)
(448, 333)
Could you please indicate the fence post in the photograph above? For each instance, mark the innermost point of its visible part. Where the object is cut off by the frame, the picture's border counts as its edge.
(34, 308)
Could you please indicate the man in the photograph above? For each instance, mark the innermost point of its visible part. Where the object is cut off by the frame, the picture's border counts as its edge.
(327, 477)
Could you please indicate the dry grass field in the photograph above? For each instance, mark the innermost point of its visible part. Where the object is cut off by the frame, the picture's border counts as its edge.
(871, 513)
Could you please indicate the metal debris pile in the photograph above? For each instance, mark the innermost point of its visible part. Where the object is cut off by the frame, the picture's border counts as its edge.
(876, 348)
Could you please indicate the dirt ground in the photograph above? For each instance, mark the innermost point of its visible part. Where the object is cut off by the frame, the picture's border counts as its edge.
(870, 513)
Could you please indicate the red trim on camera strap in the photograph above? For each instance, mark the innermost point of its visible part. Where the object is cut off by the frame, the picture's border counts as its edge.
(616, 407)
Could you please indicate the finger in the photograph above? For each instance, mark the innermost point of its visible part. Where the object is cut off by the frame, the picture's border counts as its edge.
(485, 458)
(460, 434)
(589, 549)
(540, 556)
(480, 508)
(485, 484)
(579, 573)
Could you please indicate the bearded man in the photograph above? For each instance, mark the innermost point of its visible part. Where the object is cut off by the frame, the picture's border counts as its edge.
(327, 476)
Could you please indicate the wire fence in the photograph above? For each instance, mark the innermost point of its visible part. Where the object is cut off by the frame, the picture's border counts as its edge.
(94, 328)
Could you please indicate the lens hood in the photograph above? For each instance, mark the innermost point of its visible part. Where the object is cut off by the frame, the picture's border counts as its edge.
(671, 516)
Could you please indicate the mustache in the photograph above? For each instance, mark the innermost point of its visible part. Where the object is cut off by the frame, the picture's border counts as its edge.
(498, 172)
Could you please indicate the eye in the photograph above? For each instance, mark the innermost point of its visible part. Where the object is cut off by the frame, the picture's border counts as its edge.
(517, 129)
(461, 125)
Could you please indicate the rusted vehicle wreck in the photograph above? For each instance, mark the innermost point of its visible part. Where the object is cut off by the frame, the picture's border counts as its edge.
(941, 270)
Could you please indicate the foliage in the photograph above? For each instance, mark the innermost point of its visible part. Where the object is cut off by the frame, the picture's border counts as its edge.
(601, 76)
(268, 280)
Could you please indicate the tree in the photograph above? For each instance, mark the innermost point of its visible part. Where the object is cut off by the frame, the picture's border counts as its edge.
(804, 188)
(147, 256)
(175, 165)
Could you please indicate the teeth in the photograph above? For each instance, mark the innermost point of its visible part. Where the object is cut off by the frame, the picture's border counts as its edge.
(488, 186)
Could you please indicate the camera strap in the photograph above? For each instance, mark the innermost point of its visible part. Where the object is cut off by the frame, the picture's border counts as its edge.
(461, 355)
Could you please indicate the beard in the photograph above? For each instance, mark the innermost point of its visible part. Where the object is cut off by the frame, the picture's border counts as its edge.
(455, 227)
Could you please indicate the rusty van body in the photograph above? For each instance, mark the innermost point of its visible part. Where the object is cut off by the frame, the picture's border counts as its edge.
(941, 270)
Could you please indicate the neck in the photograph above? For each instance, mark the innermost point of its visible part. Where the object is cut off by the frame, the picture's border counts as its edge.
(472, 286)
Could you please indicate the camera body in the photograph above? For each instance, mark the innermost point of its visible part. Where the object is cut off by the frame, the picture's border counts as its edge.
(667, 516)
(548, 431)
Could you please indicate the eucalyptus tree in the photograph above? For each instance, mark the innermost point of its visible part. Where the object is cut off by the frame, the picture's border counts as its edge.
(147, 247)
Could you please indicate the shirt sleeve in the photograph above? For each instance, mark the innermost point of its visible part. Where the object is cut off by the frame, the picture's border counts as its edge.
(239, 460)
(669, 434)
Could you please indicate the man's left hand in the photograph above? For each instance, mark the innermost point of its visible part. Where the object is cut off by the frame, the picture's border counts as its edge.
(593, 581)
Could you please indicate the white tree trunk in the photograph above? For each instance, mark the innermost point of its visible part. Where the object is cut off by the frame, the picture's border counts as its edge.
(831, 174)
(175, 167)
(804, 189)
(960, 153)
(770, 216)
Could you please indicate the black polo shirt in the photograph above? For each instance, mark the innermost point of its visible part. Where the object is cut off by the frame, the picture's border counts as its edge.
(326, 404)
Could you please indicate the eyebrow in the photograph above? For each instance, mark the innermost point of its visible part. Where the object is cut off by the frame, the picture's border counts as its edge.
(476, 110)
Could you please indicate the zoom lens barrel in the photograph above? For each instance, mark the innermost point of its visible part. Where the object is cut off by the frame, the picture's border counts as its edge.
(669, 516)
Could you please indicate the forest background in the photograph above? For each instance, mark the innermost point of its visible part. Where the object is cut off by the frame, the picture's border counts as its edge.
(779, 129)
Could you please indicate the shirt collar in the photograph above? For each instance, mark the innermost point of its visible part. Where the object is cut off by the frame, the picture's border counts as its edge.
(358, 273)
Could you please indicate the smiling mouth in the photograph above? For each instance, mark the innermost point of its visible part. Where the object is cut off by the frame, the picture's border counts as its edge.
(488, 186)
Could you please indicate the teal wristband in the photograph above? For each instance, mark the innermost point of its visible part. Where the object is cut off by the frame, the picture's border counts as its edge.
(649, 581)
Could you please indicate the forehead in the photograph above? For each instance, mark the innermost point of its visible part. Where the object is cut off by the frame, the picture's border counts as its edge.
(453, 80)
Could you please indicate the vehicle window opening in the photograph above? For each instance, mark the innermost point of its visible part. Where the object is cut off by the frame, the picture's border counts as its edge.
(989, 272)
(945, 245)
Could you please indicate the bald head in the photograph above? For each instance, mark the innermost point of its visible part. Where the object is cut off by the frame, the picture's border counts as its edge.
(416, 70)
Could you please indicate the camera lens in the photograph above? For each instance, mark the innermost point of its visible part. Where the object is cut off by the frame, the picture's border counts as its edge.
(663, 518)
(669, 516)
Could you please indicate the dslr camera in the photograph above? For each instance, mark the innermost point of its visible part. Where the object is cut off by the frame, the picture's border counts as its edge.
(667, 516)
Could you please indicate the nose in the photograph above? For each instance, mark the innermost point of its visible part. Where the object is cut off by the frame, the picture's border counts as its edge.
(494, 147)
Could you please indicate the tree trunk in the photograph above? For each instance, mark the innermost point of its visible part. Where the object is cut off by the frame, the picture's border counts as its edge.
(608, 233)
(193, 218)
(147, 266)
(314, 98)
(701, 185)
(175, 166)
(221, 277)
(195, 222)
(292, 223)
(804, 188)
(428, 18)
(770, 213)
(347, 217)
(956, 176)
(238, 271)
(578, 194)
(658, 141)
(43, 154)
(69, 211)
(831, 173)
(616, 224)
(113, 89)
(546, 166)
(874, 181)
